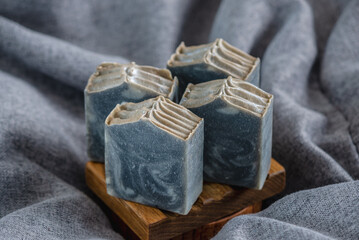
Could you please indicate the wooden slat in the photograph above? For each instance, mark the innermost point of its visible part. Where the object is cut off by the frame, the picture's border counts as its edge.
(215, 202)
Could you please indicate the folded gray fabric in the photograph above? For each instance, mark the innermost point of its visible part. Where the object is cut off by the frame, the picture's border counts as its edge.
(324, 213)
(309, 62)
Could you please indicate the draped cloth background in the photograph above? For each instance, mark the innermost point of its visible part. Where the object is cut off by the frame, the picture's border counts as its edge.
(310, 62)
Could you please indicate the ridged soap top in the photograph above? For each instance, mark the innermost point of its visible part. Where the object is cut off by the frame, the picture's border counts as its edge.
(219, 55)
(109, 75)
(235, 92)
(162, 112)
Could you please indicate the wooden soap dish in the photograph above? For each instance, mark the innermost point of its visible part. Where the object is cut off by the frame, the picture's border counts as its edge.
(217, 204)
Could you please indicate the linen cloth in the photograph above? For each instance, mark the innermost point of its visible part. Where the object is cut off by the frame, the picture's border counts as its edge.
(310, 62)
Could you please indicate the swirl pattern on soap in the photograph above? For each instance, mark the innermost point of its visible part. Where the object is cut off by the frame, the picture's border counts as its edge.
(145, 151)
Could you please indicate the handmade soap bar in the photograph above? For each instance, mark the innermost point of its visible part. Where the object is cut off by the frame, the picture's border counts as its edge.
(238, 130)
(216, 60)
(114, 83)
(154, 154)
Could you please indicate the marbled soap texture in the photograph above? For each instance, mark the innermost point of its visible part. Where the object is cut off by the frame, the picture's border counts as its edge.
(154, 154)
(216, 60)
(238, 130)
(115, 83)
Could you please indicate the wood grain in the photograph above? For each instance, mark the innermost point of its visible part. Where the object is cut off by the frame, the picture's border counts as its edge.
(216, 202)
(209, 230)
(204, 232)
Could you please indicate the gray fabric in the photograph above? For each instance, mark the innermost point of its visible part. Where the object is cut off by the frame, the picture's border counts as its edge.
(310, 62)
(328, 212)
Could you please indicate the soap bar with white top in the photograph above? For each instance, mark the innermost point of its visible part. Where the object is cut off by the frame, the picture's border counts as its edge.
(154, 154)
(216, 60)
(238, 130)
(115, 83)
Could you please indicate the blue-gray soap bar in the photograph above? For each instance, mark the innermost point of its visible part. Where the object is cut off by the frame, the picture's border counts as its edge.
(216, 60)
(238, 130)
(154, 154)
(114, 83)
